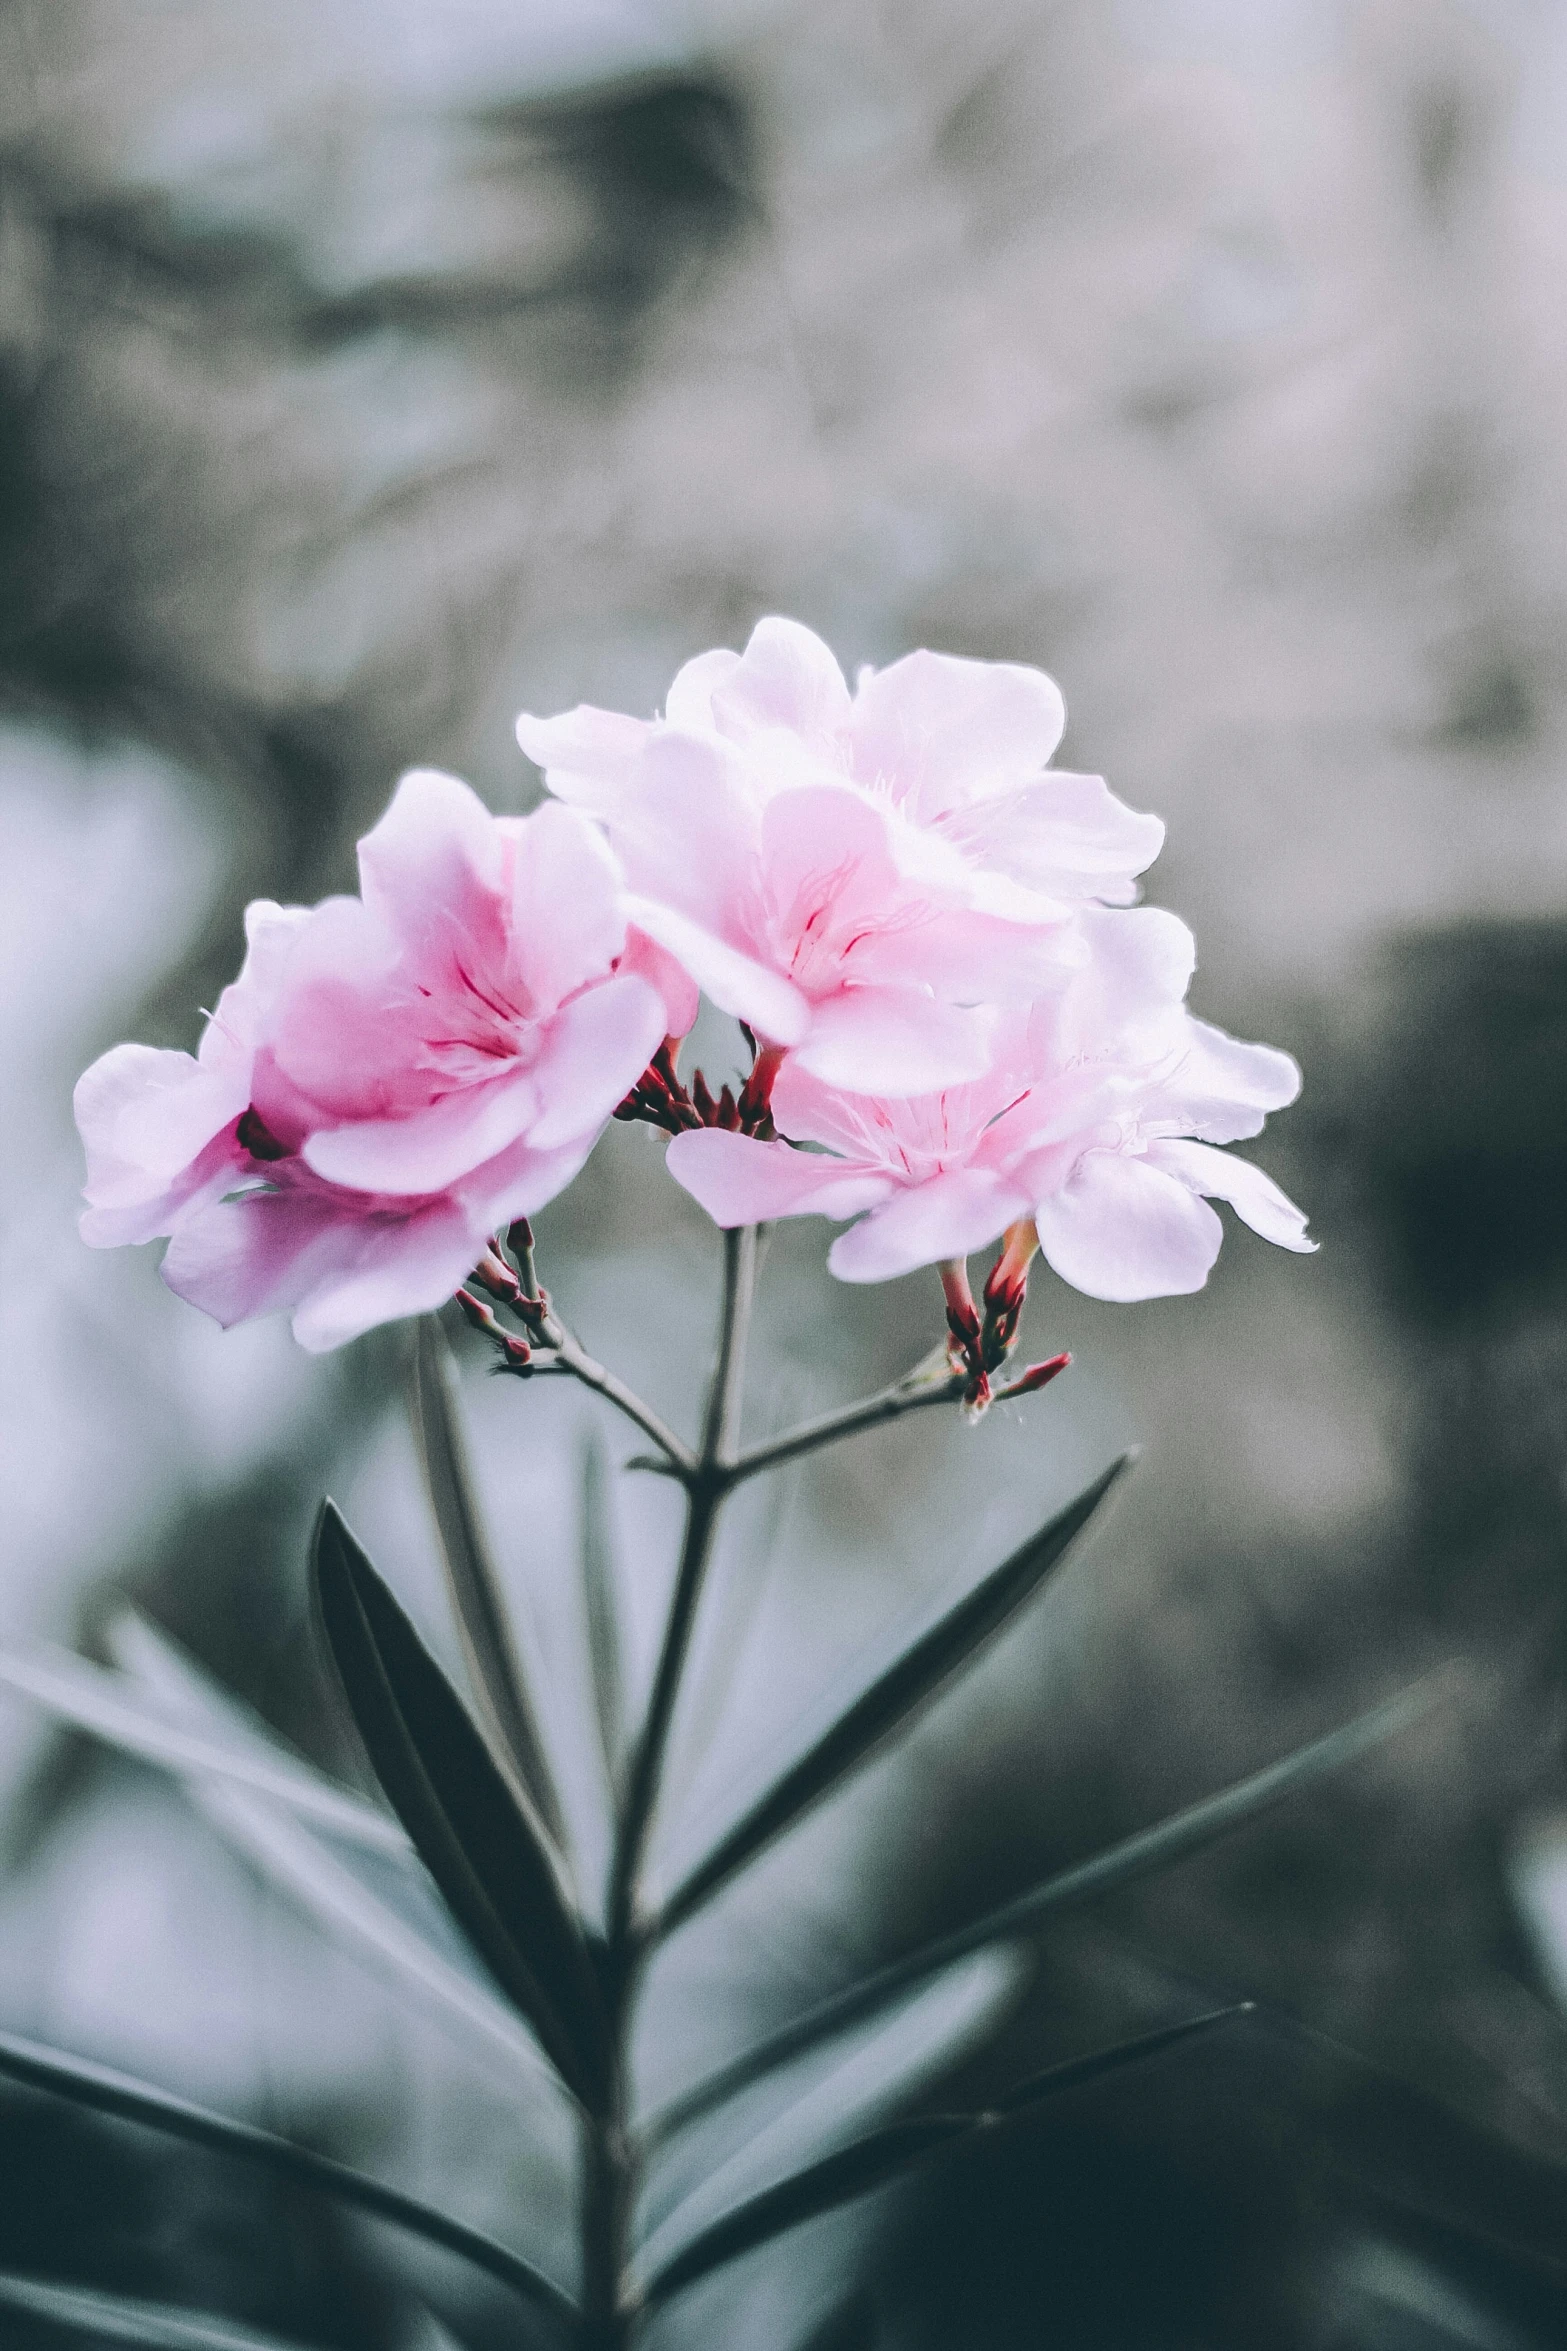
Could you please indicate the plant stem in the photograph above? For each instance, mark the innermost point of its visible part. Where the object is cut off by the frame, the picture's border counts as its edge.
(906, 1395)
(707, 1477)
(573, 1359)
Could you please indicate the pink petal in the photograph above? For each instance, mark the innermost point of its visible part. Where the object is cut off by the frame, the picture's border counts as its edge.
(230, 1036)
(437, 847)
(566, 922)
(586, 754)
(1255, 1197)
(404, 1271)
(969, 958)
(785, 678)
(520, 1181)
(680, 994)
(942, 731)
(894, 1041)
(945, 1217)
(829, 879)
(429, 1149)
(145, 1114)
(1122, 1229)
(1065, 834)
(590, 1056)
(739, 1181)
(345, 1263)
(737, 983)
(1223, 1088)
(688, 834)
(1140, 964)
(689, 702)
(347, 1032)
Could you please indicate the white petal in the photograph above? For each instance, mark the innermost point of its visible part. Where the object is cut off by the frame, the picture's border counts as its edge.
(946, 1217)
(586, 754)
(1121, 1229)
(942, 731)
(1255, 1197)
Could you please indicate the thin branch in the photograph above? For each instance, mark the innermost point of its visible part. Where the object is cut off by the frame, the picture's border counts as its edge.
(721, 1432)
(571, 1358)
(912, 1393)
(706, 1486)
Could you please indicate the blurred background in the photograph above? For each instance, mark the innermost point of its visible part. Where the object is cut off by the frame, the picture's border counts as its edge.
(373, 368)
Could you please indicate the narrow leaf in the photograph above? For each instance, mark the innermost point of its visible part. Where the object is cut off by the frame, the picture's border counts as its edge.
(477, 1594)
(892, 1700)
(1074, 2071)
(877, 2072)
(422, 1955)
(837, 2179)
(869, 2162)
(601, 1609)
(108, 2092)
(1134, 1857)
(852, 2327)
(488, 1854)
(107, 1705)
(123, 2318)
(336, 1899)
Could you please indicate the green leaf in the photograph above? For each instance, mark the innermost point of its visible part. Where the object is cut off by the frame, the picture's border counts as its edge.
(892, 1701)
(422, 1956)
(338, 1900)
(851, 2327)
(478, 1598)
(105, 2091)
(109, 1707)
(852, 2171)
(601, 1609)
(123, 2318)
(490, 1856)
(1073, 2072)
(877, 2071)
(1134, 1857)
(871, 2161)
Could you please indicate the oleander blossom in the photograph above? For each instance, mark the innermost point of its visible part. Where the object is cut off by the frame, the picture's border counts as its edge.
(864, 879)
(1099, 1121)
(391, 1078)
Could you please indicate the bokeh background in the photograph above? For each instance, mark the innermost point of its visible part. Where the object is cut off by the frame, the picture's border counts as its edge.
(372, 368)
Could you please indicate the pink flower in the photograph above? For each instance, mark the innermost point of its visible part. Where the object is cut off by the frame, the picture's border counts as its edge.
(1098, 1121)
(390, 1079)
(862, 878)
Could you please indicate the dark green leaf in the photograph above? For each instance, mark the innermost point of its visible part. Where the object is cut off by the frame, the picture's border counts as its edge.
(837, 2179)
(892, 1700)
(869, 2162)
(488, 1854)
(600, 1606)
(108, 2092)
(1137, 1856)
(864, 2078)
(122, 2318)
(477, 1595)
(1070, 2075)
(852, 2327)
(423, 1958)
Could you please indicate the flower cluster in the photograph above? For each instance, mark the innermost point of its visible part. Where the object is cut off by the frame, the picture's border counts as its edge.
(390, 1079)
(963, 1026)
